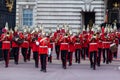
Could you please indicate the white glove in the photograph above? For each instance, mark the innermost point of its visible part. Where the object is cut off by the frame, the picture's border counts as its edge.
(37, 43)
(49, 51)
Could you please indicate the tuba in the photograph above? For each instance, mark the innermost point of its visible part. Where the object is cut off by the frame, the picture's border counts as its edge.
(18, 39)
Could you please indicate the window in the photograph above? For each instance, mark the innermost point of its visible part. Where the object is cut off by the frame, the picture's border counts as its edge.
(27, 17)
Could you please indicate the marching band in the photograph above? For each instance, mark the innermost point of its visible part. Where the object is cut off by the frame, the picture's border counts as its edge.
(94, 45)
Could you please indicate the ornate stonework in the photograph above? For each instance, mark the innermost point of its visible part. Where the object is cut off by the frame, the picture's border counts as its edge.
(9, 5)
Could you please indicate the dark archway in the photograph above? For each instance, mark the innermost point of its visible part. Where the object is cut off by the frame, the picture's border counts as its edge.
(88, 18)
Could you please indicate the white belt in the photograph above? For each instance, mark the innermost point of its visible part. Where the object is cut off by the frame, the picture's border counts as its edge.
(77, 43)
(25, 41)
(43, 46)
(6, 41)
(64, 43)
(93, 43)
(51, 43)
(106, 42)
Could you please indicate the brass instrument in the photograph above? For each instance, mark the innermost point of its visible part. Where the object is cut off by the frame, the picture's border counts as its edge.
(6, 36)
(94, 36)
(56, 40)
(17, 39)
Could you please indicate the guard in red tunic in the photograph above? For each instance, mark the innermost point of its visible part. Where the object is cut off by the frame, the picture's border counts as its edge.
(15, 47)
(93, 48)
(57, 43)
(85, 46)
(24, 47)
(78, 49)
(106, 48)
(43, 51)
(30, 46)
(100, 46)
(50, 48)
(35, 50)
(71, 49)
(64, 49)
(5, 38)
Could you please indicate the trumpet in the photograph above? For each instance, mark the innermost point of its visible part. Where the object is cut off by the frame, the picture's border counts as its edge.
(56, 40)
(5, 37)
(94, 37)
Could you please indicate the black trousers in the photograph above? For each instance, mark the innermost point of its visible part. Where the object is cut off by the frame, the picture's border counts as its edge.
(106, 55)
(24, 53)
(64, 58)
(85, 52)
(50, 58)
(77, 55)
(35, 56)
(115, 54)
(29, 53)
(15, 51)
(70, 54)
(93, 56)
(99, 56)
(43, 58)
(6, 57)
(57, 49)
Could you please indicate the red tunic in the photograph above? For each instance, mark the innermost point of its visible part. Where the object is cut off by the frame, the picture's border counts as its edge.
(6, 45)
(77, 45)
(14, 44)
(43, 46)
(25, 44)
(106, 44)
(35, 47)
(57, 39)
(64, 43)
(116, 41)
(100, 44)
(5, 42)
(52, 39)
(93, 47)
(85, 43)
(71, 43)
(30, 40)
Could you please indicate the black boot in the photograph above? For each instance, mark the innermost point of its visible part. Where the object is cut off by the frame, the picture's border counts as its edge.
(91, 65)
(94, 67)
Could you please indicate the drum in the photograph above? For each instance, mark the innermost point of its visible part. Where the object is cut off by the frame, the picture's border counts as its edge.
(113, 47)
